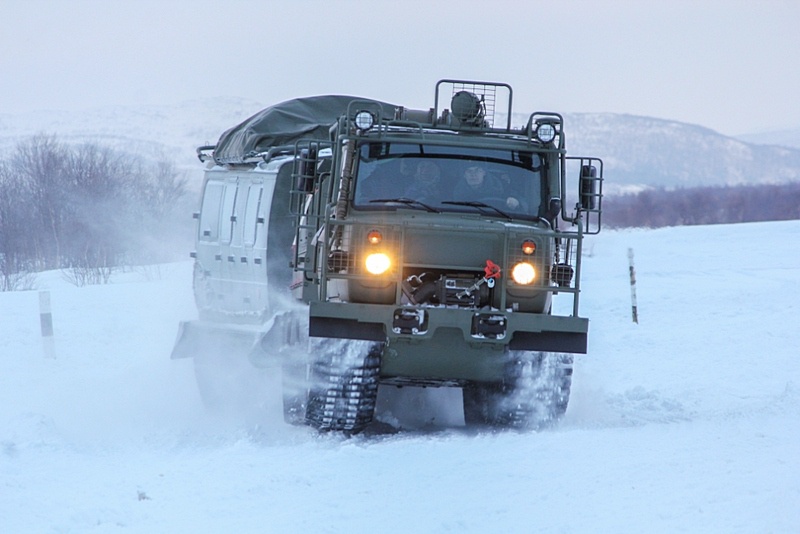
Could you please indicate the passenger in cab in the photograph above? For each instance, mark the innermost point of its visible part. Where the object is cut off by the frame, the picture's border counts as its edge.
(475, 185)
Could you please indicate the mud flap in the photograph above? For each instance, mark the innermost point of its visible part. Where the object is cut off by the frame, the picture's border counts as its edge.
(263, 345)
(196, 337)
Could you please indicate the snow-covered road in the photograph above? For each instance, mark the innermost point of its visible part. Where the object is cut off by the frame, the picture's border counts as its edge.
(687, 421)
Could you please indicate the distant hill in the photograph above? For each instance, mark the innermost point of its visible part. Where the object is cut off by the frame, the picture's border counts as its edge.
(787, 138)
(638, 152)
(643, 152)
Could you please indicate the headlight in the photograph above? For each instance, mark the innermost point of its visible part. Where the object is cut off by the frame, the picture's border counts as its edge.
(523, 273)
(377, 263)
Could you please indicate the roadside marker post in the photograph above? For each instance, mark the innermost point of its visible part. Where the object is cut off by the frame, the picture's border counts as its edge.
(46, 321)
(634, 308)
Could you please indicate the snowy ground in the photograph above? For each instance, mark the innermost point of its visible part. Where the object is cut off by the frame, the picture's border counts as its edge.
(688, 421)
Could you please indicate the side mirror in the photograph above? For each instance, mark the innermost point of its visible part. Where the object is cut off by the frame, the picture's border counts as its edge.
(553, 209)
(588, 187)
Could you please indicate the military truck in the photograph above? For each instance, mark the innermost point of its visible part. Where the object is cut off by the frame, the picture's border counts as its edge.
(356, 244)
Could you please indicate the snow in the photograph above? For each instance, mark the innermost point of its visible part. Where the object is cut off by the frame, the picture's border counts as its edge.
(687, 421)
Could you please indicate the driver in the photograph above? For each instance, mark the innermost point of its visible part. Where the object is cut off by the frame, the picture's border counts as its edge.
(426, 185)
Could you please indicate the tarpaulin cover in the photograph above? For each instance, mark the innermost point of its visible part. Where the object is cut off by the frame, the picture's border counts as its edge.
(285, 123)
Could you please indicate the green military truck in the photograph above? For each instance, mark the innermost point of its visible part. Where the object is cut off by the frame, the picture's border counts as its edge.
(356, 244)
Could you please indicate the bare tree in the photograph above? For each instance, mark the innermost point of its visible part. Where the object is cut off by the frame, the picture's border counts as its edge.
(88, 209)
(160, 213)
(15, 248)
(704, 205)
(39, 164)
(97, 203)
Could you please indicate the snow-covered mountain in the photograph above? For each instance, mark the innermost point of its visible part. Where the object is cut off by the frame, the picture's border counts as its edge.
(643, 151)
(638, 151)
(788, 138)
(685, 422)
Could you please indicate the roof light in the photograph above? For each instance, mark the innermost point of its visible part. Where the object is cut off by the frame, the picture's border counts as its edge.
(468, 108)
(545, 132)
(364, 120)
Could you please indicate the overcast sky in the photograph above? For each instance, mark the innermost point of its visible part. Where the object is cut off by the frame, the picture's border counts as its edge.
(729, 65)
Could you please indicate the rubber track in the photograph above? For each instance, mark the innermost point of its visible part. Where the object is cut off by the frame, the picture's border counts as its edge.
(544, 398)
(534, 394)
(345, 392)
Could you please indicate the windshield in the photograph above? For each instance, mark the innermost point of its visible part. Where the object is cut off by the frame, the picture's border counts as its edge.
(499, 183)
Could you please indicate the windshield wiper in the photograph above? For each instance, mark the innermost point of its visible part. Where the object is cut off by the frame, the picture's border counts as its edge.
(479, 205)
(410, 202)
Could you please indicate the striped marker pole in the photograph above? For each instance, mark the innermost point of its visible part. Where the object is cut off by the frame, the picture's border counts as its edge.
(46, 320)
(634, 309)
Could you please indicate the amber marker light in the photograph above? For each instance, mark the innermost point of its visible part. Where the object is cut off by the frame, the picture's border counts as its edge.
(528, 247)
(374, 237)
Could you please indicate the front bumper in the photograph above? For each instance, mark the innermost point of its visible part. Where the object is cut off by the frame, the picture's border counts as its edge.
(517, 331)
